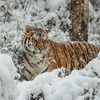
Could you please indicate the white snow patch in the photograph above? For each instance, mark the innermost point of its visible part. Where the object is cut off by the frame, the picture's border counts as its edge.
(55, 4)
(8, 88)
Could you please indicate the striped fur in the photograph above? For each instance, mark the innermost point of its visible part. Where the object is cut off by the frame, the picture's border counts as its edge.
(42, 54)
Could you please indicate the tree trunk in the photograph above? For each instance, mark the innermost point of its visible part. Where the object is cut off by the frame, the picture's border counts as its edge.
(79, 15)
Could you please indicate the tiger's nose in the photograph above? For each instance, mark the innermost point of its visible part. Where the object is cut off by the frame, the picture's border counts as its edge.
(41, 49)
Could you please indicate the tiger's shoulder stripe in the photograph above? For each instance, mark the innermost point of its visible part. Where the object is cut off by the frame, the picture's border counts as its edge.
(87, 52)
(76, 54)
(83, 60)
(79, 44)
(91, 50)
(78, 48)
(66, 57)
(52, 55)
(90, 57)
(71, 58)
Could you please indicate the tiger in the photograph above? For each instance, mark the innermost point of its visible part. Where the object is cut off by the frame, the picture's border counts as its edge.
(41, 54)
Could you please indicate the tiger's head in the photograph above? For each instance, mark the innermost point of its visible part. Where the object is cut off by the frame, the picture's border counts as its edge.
(35, 41)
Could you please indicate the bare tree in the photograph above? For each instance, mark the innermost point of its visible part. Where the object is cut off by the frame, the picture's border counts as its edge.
(79, 15)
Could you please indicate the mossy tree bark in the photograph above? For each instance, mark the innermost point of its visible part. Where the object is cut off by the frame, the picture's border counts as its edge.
(79, 15)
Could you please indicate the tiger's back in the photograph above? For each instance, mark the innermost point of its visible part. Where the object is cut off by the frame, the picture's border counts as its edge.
(42, 54)
(71, 55)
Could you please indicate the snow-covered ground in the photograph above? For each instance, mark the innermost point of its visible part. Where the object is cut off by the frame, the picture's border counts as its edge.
(8, 87)
(79, 85)
(48, 14)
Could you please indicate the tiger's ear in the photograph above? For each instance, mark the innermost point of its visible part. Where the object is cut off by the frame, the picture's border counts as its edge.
(28, 28)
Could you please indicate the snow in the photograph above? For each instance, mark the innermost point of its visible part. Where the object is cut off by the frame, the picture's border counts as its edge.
(79, 85)
(94, 25)
(8, 88)
(2, 3)
(55, 4)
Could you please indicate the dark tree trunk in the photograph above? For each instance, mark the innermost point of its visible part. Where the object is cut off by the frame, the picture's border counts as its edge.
(79, 15)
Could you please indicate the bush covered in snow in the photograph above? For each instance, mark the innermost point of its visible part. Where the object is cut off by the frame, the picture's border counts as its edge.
(94, 25)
